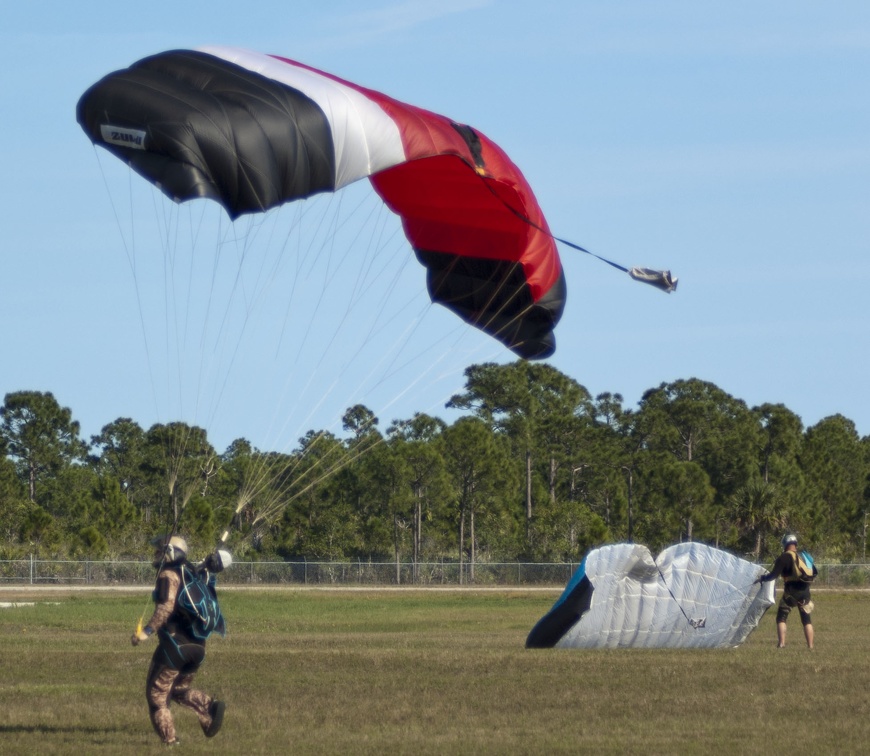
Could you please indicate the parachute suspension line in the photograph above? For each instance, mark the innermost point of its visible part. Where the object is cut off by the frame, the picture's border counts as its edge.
(499, 286)
(389, 364)
(302, 256)
(130, 253)
(211, 343)
(361, 288)
(270, 468)
(244, 500)
(300, 212)
(365, 277)
(280, 502)
(129, 241)
(180, 331)
(182, 483)
(185, 333)
(175, 451)
(176, 329)
(206, 351)
(175, 340)
(661, 279)
(332, 268)
(697, 624)
(381, 247)
(275, 496)
(237, 291)
(276, 500)
(325, 467)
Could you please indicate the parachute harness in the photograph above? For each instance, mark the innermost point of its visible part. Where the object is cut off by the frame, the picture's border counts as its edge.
(186, 588)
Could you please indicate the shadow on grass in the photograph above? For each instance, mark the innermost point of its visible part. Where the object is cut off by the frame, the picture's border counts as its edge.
(46, 729)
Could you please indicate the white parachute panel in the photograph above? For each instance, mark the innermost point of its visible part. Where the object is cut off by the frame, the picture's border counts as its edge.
(692, 596)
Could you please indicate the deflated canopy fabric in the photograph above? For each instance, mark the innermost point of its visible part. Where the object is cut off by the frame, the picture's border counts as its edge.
(692, 596)
(253, 131)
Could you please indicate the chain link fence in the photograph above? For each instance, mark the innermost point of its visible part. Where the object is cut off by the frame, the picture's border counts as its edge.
(117, 573)
(34, 571)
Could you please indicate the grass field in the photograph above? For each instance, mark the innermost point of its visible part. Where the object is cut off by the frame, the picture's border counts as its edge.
(426, 672)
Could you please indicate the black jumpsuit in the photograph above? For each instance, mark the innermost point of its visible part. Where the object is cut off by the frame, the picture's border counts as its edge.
(796, 593)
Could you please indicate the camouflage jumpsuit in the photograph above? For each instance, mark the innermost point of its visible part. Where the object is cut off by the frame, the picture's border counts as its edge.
(174, 663)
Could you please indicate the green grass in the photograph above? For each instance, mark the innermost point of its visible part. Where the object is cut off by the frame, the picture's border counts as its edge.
(426, 672)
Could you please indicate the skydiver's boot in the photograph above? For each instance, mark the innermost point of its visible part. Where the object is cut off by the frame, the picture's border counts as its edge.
(216, 712)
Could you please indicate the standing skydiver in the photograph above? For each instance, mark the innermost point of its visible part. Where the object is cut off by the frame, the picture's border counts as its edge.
(185, 613)
(796, 591)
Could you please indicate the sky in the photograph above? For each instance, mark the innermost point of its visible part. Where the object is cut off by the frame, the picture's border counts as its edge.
(725, 142)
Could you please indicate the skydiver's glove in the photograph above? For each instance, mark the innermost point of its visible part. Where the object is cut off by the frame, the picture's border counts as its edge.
(759, 580)
(141, 635)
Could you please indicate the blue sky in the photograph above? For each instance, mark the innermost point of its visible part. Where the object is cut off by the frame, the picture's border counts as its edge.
(728, 143)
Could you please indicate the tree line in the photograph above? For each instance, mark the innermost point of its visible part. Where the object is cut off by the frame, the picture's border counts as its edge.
(533, 469)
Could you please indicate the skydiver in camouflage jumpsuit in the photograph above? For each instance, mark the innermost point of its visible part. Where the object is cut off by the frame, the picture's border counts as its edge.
(178, 654)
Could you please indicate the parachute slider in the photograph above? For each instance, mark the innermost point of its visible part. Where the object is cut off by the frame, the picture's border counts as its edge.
(661, 279)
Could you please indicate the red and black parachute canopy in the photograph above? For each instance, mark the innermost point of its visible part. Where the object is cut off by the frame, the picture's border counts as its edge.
(254, 131)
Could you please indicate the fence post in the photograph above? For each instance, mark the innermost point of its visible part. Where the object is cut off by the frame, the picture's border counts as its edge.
(31, 569)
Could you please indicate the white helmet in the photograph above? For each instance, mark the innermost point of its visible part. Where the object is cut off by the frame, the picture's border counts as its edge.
(788, 539)
(225, 557)
(174, 548)
(218, 561)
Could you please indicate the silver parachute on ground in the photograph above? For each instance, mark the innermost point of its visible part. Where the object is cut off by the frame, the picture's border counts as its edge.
(691, 596)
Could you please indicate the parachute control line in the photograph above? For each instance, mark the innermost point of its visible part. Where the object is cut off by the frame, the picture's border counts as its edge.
(661, 279)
